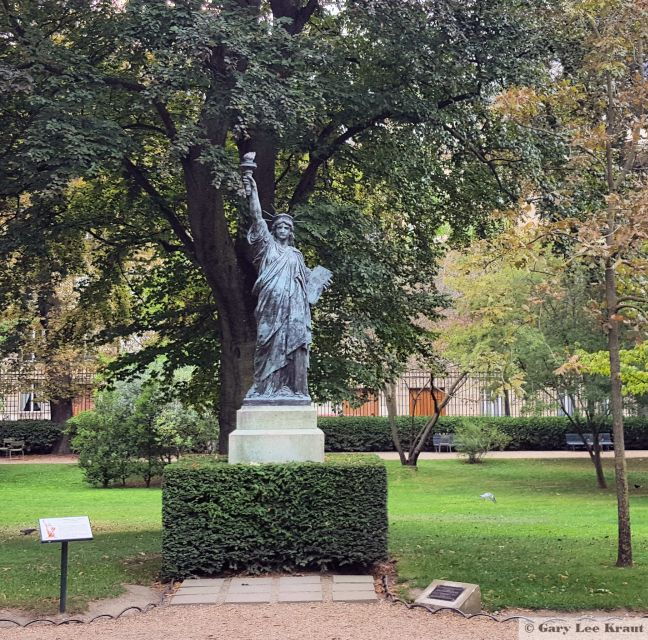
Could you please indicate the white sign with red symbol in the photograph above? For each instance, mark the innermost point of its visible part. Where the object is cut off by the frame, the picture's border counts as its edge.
(65, 529)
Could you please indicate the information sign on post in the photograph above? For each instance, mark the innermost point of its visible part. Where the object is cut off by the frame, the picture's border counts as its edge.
(65, 530)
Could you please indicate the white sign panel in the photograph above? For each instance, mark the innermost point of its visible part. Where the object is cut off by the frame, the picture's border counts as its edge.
(64, 529)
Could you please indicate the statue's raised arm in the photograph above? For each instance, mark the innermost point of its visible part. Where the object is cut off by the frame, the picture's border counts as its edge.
(258, 227)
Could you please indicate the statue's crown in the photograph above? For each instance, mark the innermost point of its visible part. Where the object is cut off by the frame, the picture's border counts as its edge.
(282, 217)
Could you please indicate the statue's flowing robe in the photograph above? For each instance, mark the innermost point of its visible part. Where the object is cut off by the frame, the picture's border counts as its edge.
(282, 314)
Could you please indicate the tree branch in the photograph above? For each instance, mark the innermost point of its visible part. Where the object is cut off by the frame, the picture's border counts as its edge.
(323, 151)
(13, 20)
(141, 180)
(633, 299)
(481, 156)
(303, 16)
(144, 127)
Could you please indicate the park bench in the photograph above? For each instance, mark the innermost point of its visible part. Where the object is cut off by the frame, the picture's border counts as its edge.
(574, 440)
(441, 440)
(12, 445)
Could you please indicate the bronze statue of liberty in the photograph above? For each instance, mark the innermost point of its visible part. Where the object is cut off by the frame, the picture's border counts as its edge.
(285, 290)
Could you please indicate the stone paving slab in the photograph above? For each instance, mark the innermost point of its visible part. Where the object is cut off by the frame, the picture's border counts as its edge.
(256, 588)
(187, 591)
(308, 586)
(314, 596)
(251, 581)
(311, 588)
(300, 580)
(247, 598)
(203, 582)
(365, 579)
(355, 596)
(198, 598)
(352, 586)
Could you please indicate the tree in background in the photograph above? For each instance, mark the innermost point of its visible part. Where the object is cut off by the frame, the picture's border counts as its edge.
(596, 201)
(152, 103)
(521, 315)
(45, 334)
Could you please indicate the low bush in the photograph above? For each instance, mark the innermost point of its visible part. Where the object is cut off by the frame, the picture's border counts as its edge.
(135, 430)
(272, 517)
(40, 436)
(475, 439)
(526, 434)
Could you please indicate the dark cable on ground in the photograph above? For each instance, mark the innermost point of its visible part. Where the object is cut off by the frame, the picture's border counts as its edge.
(467, 616)
(389, 596)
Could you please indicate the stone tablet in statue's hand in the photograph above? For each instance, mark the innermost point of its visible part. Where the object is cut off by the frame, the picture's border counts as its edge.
(319, 279)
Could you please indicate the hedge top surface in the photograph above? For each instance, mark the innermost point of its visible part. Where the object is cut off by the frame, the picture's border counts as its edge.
(330, 460)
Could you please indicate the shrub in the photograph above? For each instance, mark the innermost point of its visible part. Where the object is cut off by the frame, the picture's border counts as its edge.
(475, 439)
(134, 430)
(105, 450)
(272, 517)
(40, 436)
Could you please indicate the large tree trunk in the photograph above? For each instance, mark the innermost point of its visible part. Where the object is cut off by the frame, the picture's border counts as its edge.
(236, 375)
(61, 412)
(507, 403)
(230, 280)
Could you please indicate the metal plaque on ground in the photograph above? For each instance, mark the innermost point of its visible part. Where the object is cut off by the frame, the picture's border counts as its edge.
(463, 596)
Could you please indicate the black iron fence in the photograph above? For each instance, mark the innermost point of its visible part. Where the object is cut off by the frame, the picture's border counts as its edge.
(419, 392)
(24, 396)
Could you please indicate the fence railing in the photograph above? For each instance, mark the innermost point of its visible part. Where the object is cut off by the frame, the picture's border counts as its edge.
(418, 392)
(22, 395)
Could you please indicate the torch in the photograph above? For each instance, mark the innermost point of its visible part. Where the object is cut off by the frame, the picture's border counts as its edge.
(247, 168)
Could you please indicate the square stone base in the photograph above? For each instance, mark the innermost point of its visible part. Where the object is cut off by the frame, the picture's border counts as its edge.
(276, 434)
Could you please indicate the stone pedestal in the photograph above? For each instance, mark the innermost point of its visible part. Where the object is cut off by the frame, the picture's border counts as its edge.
(266, 433)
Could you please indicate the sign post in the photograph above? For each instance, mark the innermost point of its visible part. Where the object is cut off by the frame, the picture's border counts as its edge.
(64, 530)
(64, 569)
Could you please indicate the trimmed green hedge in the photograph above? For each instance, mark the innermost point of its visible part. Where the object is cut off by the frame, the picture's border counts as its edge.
(272, 517)
(527, 434)
(40, 436)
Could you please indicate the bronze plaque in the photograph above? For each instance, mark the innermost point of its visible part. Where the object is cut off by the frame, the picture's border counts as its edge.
(446, 593)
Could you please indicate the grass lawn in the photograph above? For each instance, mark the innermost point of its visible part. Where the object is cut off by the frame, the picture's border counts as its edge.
(125, 523)
(548, 541)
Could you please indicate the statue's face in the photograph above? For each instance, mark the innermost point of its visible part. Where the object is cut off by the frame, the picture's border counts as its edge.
(282, 231)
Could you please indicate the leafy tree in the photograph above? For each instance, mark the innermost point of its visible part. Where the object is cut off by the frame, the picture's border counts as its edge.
(409, 450)
(152, 102)
(597, 107)
(522, 315)
(44, 333)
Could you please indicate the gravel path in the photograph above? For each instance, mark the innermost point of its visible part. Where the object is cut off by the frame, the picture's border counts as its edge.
(385, 455)
(41, 459)
(279, 622)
